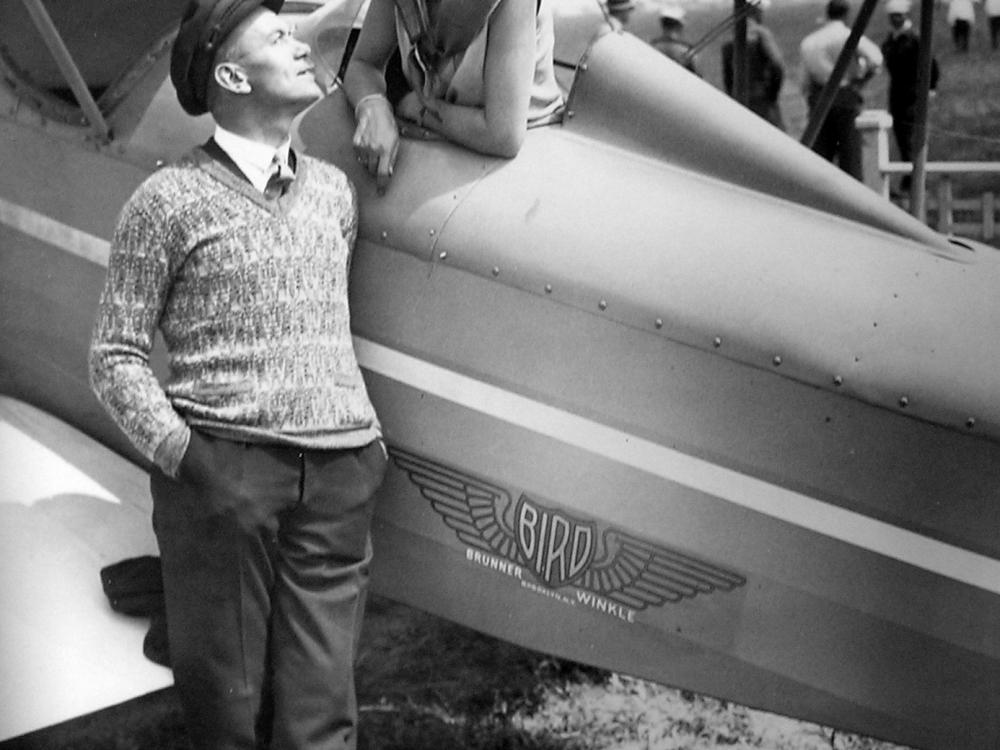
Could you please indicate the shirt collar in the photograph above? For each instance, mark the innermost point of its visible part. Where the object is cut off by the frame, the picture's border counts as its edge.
(252, 157)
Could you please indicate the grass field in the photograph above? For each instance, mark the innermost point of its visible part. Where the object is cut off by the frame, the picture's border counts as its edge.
(426, 684)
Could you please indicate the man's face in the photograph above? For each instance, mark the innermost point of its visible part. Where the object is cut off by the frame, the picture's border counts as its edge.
(896, 20)
(277, 65)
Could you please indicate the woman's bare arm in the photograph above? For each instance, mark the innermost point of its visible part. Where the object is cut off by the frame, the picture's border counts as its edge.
(376, 137)
(498, 128)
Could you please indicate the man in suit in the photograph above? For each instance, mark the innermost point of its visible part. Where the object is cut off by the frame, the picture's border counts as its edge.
(766, 67)
(901, 50)
(266, 450)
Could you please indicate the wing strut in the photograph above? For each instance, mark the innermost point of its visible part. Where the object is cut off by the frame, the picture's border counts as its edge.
(918, 188)
(740, 11)
(843, 62)
(50, 34)
(741, 71)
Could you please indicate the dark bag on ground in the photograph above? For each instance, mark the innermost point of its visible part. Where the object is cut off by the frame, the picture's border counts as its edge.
(134, 587)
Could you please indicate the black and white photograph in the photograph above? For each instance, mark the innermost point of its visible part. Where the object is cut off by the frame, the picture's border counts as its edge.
(499, 375)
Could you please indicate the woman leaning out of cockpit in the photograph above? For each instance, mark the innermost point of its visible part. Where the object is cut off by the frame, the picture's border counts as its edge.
(477, 72)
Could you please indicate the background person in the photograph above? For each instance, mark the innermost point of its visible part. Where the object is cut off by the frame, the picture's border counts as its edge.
(671, 41)
(992, 8)
(901, 50)
(838, 139)
(621, 11)
(961, 18)
(766, 67)
(265, 444)
(482, 94)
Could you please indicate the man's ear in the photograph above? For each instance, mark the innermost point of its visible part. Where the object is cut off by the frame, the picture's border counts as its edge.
(231, 77)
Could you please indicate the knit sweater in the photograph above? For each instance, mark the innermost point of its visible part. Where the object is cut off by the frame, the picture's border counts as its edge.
(250, 295)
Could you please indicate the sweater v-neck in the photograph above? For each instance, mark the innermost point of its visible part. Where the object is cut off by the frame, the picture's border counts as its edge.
(217, 164)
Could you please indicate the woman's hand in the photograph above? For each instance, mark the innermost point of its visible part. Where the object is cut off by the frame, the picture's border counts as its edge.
(410, 107)
(376, 138)
(423, 113)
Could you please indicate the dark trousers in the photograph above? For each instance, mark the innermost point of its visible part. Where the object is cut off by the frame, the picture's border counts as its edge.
(838, 139)
(994, 32)
(960, 34)
(265, 554)
(903, 118)
(902, 127)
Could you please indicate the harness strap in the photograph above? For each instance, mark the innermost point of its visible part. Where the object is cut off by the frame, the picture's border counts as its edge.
(444, 29)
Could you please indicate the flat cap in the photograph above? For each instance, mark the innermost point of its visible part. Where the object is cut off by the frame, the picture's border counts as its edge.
(204, 27)
(897, 6)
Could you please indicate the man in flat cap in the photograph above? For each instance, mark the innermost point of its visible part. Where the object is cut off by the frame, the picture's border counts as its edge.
(266, 450)
(620, 11)
(901, 50)
(671, 41)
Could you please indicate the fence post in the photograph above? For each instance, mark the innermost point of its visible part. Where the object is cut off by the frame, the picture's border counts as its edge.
(989, 216)
(874, 124)
(945, 217)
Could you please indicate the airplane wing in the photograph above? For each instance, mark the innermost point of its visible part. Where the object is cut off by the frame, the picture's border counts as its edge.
(68, 507)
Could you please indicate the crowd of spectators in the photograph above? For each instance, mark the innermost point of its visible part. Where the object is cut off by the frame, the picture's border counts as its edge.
(897, 56)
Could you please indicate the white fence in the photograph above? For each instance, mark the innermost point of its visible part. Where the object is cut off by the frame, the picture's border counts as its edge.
(969, 217)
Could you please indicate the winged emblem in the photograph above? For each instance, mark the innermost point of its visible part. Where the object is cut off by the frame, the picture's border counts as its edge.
(474, 509)
(558, 548)
(638, 574)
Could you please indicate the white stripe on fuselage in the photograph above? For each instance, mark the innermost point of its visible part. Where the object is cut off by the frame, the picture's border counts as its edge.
(55, 233)
(698, 474)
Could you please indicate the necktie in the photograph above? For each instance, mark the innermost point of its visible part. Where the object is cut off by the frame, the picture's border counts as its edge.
(281, 177)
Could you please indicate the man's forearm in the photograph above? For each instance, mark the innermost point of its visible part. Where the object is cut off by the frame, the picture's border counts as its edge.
(127, 388)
